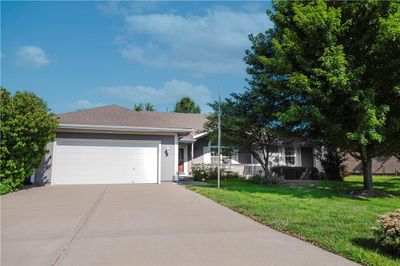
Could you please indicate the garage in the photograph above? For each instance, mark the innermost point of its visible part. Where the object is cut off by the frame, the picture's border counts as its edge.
(105, 161)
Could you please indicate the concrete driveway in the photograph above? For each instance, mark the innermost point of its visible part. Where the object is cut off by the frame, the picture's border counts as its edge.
(140, 225)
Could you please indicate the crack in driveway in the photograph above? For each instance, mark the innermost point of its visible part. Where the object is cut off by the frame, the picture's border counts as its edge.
(82, 224)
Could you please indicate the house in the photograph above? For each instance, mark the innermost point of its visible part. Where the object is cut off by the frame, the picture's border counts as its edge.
(383, 165)
(113, 144)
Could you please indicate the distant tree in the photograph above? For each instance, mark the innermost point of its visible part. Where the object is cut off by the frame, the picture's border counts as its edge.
(144, 107)
(26, 127)
(149, 107)
(336, 66)
(186, 105)
(138, 107)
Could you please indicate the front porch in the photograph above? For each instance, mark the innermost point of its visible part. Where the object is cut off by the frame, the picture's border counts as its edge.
(185, 158)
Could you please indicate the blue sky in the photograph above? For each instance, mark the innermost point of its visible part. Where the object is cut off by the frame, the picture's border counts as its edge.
(78, 55)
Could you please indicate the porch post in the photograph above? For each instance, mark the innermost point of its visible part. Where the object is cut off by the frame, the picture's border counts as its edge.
(176, 154)
(191, 157)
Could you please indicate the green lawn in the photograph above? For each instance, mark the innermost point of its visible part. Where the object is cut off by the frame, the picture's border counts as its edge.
(322, 214)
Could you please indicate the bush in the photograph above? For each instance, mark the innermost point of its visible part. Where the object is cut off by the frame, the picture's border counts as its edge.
(4, 189)
(213, 173)
(311, 173)
(288, 172)
(296, 172)
(272, 179)
(258, 179)
(231, 175)
(200, 173)
(388, 234)
(332, 162)
(204, 173)
(26, 127)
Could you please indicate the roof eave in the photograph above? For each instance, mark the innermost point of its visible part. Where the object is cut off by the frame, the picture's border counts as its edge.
(202, 134)
(121, 128)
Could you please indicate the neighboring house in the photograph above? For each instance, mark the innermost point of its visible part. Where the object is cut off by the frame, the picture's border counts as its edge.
(383, 165)
(113, 144)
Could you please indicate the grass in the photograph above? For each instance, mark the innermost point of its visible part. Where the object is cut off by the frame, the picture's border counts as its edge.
(321, 213)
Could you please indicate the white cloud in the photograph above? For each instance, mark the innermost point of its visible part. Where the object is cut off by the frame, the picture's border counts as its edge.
(114, 8)
(82, 104)
(87, 104)
(163, 97)
(72, 106)
(31, 56)
(212, 43)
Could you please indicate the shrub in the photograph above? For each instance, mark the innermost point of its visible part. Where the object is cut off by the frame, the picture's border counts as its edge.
(296, 172)
(311, 173)
(258, 179)
(288, 172)
(4, 189)
(272, 179)
(199, 172)
(213, 173)
(332, 162)
(231, 175)
(26, 127)
(204, 173)
(388, 234)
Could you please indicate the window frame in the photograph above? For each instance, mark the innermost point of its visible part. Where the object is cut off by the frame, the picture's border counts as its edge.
(290, 156)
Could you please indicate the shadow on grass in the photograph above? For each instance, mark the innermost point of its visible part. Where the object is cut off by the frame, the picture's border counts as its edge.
(370, 244)
(323, 189)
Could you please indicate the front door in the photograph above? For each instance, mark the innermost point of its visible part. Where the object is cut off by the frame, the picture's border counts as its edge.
(181, 160)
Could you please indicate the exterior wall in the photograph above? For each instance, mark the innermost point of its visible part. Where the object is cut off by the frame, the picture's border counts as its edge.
(380, 165)
(245, 158)
(304, 157)
(199, 150)
(43, 174)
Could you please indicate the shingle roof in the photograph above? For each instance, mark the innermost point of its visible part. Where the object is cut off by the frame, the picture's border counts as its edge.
(185, 120)
(115, 115)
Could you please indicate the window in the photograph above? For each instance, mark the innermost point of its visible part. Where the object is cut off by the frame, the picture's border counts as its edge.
(290, 156)
(224, 158)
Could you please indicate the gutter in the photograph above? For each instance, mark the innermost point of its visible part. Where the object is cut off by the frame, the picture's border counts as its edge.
(122, 128)
(200, 135)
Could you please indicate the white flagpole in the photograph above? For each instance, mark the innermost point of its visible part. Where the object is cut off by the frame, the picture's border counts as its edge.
(219, 137)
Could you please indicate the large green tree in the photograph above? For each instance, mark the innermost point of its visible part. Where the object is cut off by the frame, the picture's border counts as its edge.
(186, 105)
(243, 128)
(26, 127)
(337, 67)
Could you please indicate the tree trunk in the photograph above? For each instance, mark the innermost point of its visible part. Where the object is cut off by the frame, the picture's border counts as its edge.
(366, 161)
(263, 163)
(266, 170)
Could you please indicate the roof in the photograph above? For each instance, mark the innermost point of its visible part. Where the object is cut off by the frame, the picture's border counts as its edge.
(186, 120)
(118, 116)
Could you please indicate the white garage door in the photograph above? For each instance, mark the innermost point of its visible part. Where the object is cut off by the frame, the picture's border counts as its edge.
(104, 161)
